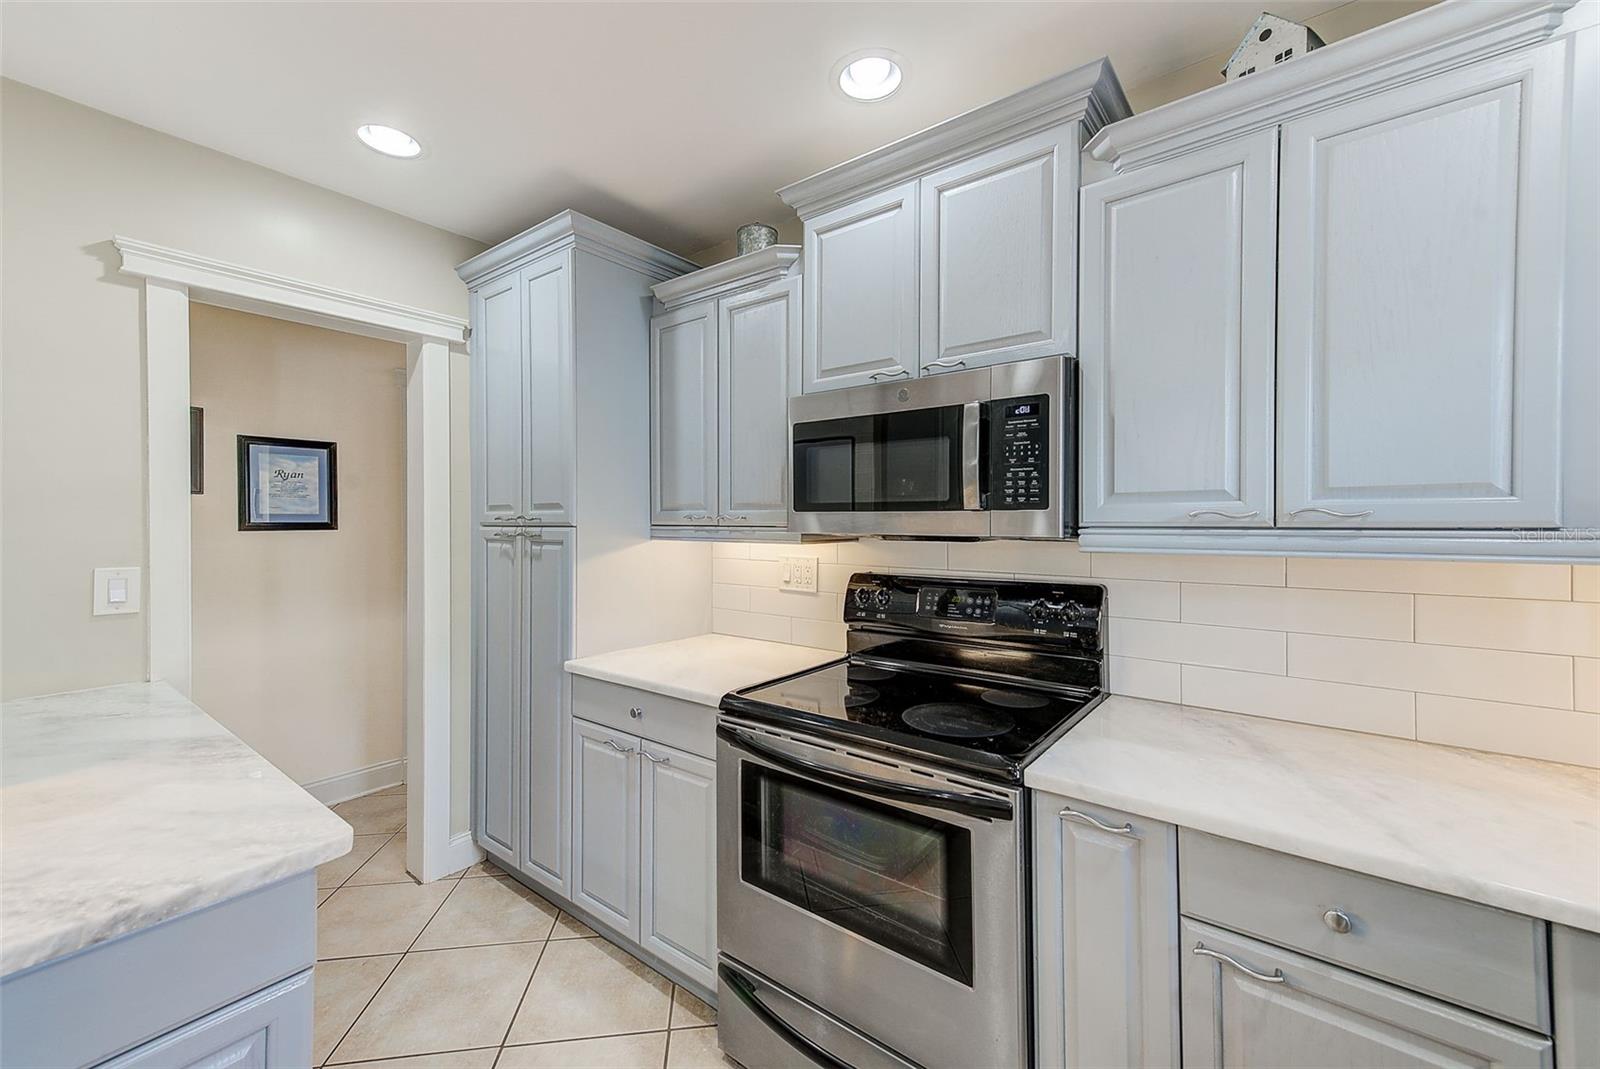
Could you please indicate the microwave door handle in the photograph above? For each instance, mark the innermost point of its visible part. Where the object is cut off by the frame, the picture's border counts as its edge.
(971, 461)
(745, 991)
(977, 806)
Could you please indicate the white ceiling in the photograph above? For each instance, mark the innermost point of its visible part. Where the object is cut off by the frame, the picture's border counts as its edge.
(675, 121)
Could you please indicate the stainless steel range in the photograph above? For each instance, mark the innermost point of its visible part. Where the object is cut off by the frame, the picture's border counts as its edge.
(872, 833)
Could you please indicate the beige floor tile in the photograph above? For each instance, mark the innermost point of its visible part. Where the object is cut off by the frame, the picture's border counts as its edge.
(374, 814)
(689, 1011)
(442, 1000)
(696, 1048)
(489, 911)
(333, 873)
(570, 927)
(381, 919)
(343, 989)
(587, 987)
(643, 1051)
(386, 866)
(482, 1058)
(483, 868)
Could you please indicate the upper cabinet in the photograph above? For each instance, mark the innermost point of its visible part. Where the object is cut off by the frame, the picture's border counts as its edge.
(498, 401)
(551, 476)
(724, 357)
(953, 248)
(1349, 295)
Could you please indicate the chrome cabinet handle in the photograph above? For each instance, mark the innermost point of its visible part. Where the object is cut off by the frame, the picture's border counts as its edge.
(700, 517)
(876, 375)
(1338, 920)
(1084, 818)
(619, 749)
(736, 519)
(648, 756)
(1252, 514)
(946, 363)
(1276, 977)
(1335, 513)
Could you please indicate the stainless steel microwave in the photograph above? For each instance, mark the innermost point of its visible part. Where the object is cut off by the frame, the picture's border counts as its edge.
(989, 453)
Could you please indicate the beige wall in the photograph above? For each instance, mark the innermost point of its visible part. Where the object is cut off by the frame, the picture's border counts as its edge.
(299, 636)
(71, 407)
(1499, 657)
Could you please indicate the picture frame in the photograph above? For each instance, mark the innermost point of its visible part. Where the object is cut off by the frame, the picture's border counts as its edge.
(287, 484)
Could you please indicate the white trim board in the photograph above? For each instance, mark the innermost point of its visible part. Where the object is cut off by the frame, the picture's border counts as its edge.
(173, 279)
(332, 790)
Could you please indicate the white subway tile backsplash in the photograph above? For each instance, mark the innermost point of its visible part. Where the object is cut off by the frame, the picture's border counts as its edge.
(1571, 627)
(1139, 678)
(751, 625)
(1014, 557)
(1305, 701)
(835, 578)
(1220, 647)
(1532, 678)
(1586, 582)
(796, 604)
(733, 550)
(763, 573)
(823, 635)
(727, 596)
(1252, 571)
(894, 556)
(1523, 730)
(1586, 684)
(1434, 577)
(1141, 599)
(1359, 614)
(823, 552)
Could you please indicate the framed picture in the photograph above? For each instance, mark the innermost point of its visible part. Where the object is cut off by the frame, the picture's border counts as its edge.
(287, 484)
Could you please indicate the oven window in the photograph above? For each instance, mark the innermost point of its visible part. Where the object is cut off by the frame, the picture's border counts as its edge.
(899, 879)
(898, 462)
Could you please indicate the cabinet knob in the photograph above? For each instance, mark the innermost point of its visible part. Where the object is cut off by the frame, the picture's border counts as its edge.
(636, 712)
(1337, 920)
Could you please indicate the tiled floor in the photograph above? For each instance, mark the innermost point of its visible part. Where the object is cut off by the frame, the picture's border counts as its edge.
(477, 972)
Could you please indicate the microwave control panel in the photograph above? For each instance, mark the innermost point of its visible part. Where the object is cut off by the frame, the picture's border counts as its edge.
(1019, 445)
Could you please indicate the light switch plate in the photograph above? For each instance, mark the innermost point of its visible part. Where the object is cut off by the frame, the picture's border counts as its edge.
(116, 591)
(799, 573)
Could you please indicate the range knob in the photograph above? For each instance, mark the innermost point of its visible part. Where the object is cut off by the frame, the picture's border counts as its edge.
(1038, 612)
(881, 599)
(862, 597)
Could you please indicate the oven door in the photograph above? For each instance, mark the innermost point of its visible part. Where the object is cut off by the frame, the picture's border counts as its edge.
(890, 898)
(901, 458)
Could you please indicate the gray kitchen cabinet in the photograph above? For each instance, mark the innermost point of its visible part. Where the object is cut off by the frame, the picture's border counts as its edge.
(549, 435)
(1106, 937)
(1419, 303)
(1575, 991)
(758, 341)
(861, 292)
(1247, 1004)
(498, 387)
(605, 825)
(268, 1030)
(677, 852)
(683, 406)
(498, 689)
(998, 240)
(1177, 340)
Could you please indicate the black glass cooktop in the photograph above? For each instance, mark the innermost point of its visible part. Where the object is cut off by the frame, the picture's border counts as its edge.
(993, 728)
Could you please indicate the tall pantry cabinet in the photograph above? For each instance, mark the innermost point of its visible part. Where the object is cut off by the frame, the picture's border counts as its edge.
(560, 407)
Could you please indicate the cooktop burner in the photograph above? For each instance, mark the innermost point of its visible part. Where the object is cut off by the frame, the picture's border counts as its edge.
(1014, 699)
(859, 696)
(868, 673)
(957, 720)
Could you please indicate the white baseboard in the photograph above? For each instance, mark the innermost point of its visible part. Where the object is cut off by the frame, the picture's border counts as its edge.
(463, 852)
(348, 785)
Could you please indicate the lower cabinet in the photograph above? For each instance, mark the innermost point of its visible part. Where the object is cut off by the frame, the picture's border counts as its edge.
(1254, 1006)
(643, 844)
(271, 1028)
(1106, 953)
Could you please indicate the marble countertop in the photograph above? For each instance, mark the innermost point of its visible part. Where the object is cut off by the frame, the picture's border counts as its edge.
(124, 806)
(701, 669)
(1504, 831)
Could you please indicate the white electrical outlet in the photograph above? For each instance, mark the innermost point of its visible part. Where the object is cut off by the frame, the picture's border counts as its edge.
(799, 573)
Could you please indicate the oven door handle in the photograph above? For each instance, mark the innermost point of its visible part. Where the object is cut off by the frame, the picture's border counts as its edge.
(745, 991)
(970, 805)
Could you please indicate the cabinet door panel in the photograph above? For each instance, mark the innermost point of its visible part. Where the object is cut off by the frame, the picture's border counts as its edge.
(861, 292)
(1420, 306)
(547, 564)
(758, 337)
(1177, 340)
(551, 438)
(498, 689)
(683, 410)
(999, 244)
(498, 400)
(677, 894)
(1107, 951)
(605, 825)
(1322, 1015)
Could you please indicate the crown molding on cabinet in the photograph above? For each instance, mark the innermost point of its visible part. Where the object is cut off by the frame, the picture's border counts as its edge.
(763, 265)
(249, 290)
(570, 229)
(1438, 38)
(1089, 94)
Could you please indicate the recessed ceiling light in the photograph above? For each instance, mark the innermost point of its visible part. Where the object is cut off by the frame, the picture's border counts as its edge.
(389, 141)
(871, 74)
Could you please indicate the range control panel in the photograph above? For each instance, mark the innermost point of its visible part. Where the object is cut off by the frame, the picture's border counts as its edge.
(1019, 451)
(1069, 612)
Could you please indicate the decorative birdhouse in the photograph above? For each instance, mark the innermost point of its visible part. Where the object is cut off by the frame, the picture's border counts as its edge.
(1271, 40)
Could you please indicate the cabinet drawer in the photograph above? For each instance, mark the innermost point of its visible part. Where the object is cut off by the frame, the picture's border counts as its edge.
(669, 721)
(1472, 955)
